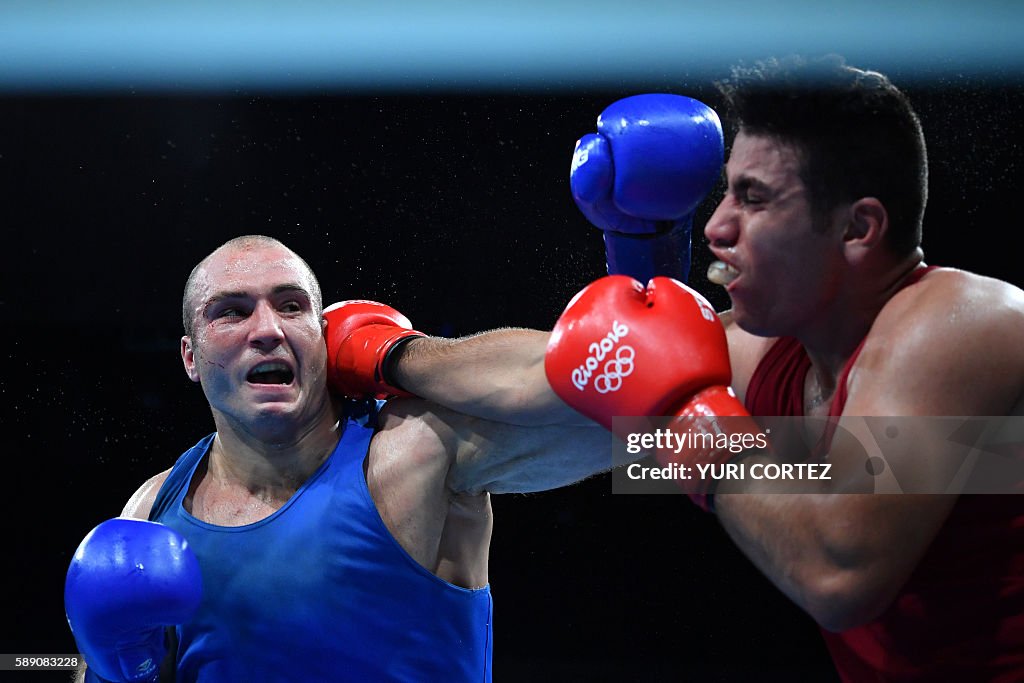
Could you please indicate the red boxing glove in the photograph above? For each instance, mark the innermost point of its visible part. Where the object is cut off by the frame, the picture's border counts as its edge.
(361, 335)
(621, 349)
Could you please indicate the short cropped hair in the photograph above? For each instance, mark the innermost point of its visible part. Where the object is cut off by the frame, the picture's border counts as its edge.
(856, 133)
(187, 309)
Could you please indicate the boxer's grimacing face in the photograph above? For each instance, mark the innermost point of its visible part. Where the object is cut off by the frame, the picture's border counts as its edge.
(258, 348)
(785, 265)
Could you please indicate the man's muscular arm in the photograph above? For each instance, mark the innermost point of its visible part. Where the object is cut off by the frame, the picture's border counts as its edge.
(496, 375)
(487, 399)
(512, 433)
(844, 557)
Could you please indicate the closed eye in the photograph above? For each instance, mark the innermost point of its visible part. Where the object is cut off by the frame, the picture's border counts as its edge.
(750, 192)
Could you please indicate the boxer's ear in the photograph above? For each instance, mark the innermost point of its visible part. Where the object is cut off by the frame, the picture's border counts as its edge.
(188, 358)
(866, 225)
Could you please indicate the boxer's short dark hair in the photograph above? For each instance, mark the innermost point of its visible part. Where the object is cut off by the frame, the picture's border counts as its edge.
(856, 132)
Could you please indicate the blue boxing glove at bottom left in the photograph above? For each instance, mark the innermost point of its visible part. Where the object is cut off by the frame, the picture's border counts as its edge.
(129, 579)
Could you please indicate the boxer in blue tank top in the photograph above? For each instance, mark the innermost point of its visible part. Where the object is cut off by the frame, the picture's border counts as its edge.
(301, 541)
(388, 618)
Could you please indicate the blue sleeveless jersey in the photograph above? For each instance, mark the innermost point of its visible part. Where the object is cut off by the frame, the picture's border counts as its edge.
(320, 590)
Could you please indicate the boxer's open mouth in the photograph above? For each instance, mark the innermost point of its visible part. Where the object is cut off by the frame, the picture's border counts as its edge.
(271, 372)
(721, 273)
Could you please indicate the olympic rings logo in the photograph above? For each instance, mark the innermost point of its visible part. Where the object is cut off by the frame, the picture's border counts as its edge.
(614, 370)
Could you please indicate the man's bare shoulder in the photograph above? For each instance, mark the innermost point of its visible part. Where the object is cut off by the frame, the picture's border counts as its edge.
(947, 297)
(953, 342)
(414, 435)
(142, 500)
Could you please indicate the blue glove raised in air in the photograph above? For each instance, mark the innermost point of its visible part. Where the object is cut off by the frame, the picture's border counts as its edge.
(128, 580)
(641, 177)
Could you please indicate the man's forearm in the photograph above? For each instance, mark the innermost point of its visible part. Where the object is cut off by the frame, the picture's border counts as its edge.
(841, 557)
(780, 534)
(496, 375)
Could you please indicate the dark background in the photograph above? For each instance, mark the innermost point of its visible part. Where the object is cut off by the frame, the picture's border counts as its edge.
(456, 210)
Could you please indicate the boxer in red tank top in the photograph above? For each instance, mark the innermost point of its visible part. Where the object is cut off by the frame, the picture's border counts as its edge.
(834, 313)
(960, 616)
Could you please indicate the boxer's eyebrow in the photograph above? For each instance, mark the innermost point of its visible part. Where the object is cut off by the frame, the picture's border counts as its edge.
(745, 182)
(291, 287)
(221, 296)
(242, 294)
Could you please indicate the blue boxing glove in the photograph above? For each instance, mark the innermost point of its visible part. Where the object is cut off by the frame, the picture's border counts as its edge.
(128, 580)
(641, 177)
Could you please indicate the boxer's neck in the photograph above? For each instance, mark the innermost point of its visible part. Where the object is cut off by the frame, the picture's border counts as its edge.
(834, 336)
(277, 467)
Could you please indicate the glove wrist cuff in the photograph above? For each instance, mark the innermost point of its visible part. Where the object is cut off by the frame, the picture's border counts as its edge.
(384, 375)
(728, 417)
(643, 256)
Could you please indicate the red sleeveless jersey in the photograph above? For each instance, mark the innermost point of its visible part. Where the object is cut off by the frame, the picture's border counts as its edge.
(960, 616)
